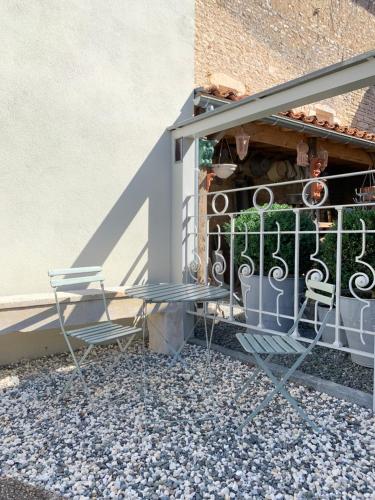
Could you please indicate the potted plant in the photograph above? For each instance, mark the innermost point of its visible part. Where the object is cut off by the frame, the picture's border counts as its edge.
(355, 285)
(283, 216)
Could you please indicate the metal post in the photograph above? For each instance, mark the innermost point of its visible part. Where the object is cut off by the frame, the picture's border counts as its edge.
(296, 269)
(231, 268)
(261, 267)
(207, 250)
(338, 276)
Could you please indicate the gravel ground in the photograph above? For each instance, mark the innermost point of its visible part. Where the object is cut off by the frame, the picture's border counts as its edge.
(118, 448)
(325, 363)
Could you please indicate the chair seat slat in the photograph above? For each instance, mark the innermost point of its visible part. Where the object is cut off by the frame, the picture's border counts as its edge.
(96, 326)
(113, 330)
(255, 344)
(269, 344)
(262, 340)
(94, 331)
(294, 344)
(111, 336)
(284, 346)
(244, 342)
(271, 341)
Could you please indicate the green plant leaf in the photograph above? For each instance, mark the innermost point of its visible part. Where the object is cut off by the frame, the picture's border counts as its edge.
(351, 246)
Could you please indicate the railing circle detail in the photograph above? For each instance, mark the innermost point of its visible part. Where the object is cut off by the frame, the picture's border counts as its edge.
(226, 203)
(255, 196)
(325, 194)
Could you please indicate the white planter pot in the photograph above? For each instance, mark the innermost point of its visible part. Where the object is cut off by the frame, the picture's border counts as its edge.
(350, 315)
(329, 334)
(251, 300)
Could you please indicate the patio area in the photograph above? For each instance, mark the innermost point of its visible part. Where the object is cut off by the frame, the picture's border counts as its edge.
(164, 233)
(119, 449)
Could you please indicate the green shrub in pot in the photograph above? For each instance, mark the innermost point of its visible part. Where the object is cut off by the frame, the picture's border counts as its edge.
(284, 215)
(250, 220)
(351, 246)
(350, 306)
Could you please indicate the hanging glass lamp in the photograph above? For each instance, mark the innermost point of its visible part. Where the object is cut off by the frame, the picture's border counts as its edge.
(323, 156)
(242, 143)
(302, 154)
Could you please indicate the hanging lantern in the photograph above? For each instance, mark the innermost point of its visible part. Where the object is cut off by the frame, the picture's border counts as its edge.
(323, 157)
(316, 168)
(366, 193)
(302, 154)
(242, 143)
(224, 170)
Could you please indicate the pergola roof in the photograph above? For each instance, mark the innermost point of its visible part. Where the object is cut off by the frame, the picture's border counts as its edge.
(336, 79)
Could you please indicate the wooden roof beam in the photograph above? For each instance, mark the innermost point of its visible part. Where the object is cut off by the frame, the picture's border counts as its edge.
(274, 136)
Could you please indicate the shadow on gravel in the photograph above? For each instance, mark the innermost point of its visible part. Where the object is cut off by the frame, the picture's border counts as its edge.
(12, 489)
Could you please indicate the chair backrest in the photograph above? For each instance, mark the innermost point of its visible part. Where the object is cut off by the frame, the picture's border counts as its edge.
(76, 276)
(92, 275)
(315, 289)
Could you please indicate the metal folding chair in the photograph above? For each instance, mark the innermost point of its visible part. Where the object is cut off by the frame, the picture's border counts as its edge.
(90, 335)
(272, 344)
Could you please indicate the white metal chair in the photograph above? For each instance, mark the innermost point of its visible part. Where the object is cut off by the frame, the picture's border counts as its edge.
(272, 344)
(90, 335)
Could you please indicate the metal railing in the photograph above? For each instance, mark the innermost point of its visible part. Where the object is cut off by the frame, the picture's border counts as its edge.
(265, 255)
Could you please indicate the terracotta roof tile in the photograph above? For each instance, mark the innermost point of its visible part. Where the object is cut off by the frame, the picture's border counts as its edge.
(224, 92)
(231, 95)
(355, 132)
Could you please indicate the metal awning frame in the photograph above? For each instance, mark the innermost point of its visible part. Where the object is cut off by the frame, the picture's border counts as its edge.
(340, 78)
(343, 77)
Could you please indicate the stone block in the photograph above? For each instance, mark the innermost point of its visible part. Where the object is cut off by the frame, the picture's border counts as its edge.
(165, 327)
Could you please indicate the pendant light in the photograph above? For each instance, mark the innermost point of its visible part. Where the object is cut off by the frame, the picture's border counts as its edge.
(242, 143)
(302, 154)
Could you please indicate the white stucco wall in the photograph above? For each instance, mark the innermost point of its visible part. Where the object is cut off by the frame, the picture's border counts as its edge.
(87, 89)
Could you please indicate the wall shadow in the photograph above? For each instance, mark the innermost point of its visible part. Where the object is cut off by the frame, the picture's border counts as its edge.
(151, 183)
(368, 5)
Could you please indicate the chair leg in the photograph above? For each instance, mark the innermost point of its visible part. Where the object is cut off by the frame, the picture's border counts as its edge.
(279, 388)
(248, 381)
(144, 374)
(208, 369)
(110, 367)
(77, 370)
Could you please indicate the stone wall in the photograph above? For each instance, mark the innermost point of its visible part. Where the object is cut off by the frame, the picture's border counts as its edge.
(262, 43)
